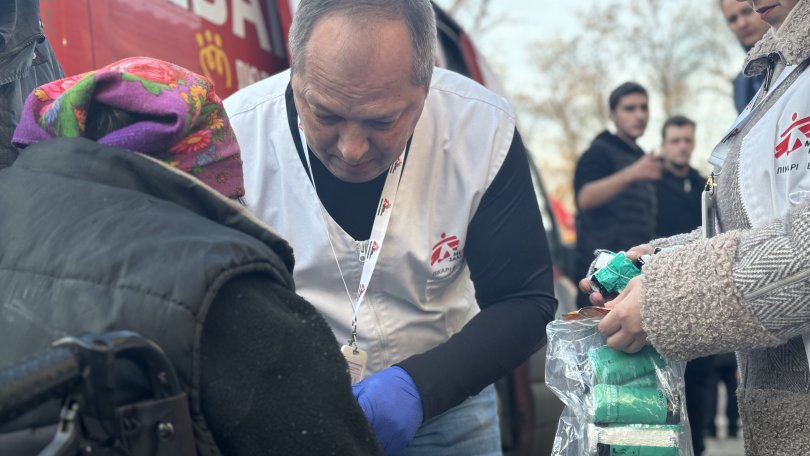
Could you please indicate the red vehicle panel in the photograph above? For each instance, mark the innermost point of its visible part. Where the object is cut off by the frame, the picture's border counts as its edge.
(233, 42)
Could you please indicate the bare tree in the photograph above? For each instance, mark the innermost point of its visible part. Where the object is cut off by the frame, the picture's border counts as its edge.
(564, 106)
(482, 17)
(671, 47)
(454, 7)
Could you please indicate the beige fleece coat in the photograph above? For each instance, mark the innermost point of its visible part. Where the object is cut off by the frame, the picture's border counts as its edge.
(745, 290)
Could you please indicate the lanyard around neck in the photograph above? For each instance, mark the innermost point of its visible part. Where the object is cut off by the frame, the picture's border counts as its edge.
(721, 150)
(380, 227)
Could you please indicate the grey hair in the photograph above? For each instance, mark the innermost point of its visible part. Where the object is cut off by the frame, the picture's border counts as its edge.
(417, 14)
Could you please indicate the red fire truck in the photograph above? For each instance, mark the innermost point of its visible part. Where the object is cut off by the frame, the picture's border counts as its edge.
(233, 42)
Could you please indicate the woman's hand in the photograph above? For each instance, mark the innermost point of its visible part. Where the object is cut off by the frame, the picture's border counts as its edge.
(622, 326)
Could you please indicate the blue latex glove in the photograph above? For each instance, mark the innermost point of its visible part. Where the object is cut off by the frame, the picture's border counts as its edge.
(393, 406)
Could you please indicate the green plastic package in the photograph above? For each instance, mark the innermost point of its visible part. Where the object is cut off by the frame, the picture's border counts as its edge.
(614, 276)
(645, 380)
(618, 368)
(615, 403)
(633, 405)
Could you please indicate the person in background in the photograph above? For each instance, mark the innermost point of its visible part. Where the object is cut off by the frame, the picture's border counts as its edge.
(747, 26)
(405, 191)
(119, 214)
(741, 283)
(26, 61)
(679, 192)
(723, 371)
(681, 185)
(614, 183)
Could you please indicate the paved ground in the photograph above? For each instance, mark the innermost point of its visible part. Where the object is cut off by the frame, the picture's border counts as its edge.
(724, 447)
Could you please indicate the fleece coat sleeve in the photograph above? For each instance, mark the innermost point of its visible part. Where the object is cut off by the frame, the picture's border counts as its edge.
(677, 240)
(740, 290)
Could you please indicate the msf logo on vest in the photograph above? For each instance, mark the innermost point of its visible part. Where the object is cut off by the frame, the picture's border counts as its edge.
(445, 256)
(793, 138)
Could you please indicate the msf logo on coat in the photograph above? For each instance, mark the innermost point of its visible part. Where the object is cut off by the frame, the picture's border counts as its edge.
(445, 255)
(794, 137)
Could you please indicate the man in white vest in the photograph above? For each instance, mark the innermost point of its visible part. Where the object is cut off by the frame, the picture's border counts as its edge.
(406, 195)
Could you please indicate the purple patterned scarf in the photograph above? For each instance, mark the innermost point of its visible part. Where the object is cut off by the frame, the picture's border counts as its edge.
(163, 111)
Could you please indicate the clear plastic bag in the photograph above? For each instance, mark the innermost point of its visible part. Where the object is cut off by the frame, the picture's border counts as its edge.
(615, 403)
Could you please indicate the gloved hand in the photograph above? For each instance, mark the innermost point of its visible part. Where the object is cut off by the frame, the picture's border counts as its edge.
(393, 406)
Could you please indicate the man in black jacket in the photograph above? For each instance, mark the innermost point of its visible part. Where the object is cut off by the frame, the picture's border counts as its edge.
(681, 185)
(679, 195)
(615, 196)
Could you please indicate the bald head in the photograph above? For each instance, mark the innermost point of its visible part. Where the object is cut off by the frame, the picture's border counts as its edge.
(371, 56)
(356, 98)
(416, 16)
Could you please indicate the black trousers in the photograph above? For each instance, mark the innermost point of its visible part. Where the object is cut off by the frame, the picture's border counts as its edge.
(697, 376)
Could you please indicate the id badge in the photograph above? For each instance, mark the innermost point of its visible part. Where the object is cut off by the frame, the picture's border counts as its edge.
(356, 359)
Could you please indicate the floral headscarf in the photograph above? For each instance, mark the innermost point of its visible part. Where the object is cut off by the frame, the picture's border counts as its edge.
(178, 117)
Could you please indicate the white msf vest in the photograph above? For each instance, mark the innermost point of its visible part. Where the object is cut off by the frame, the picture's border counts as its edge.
(774, 165)
(421, 292)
